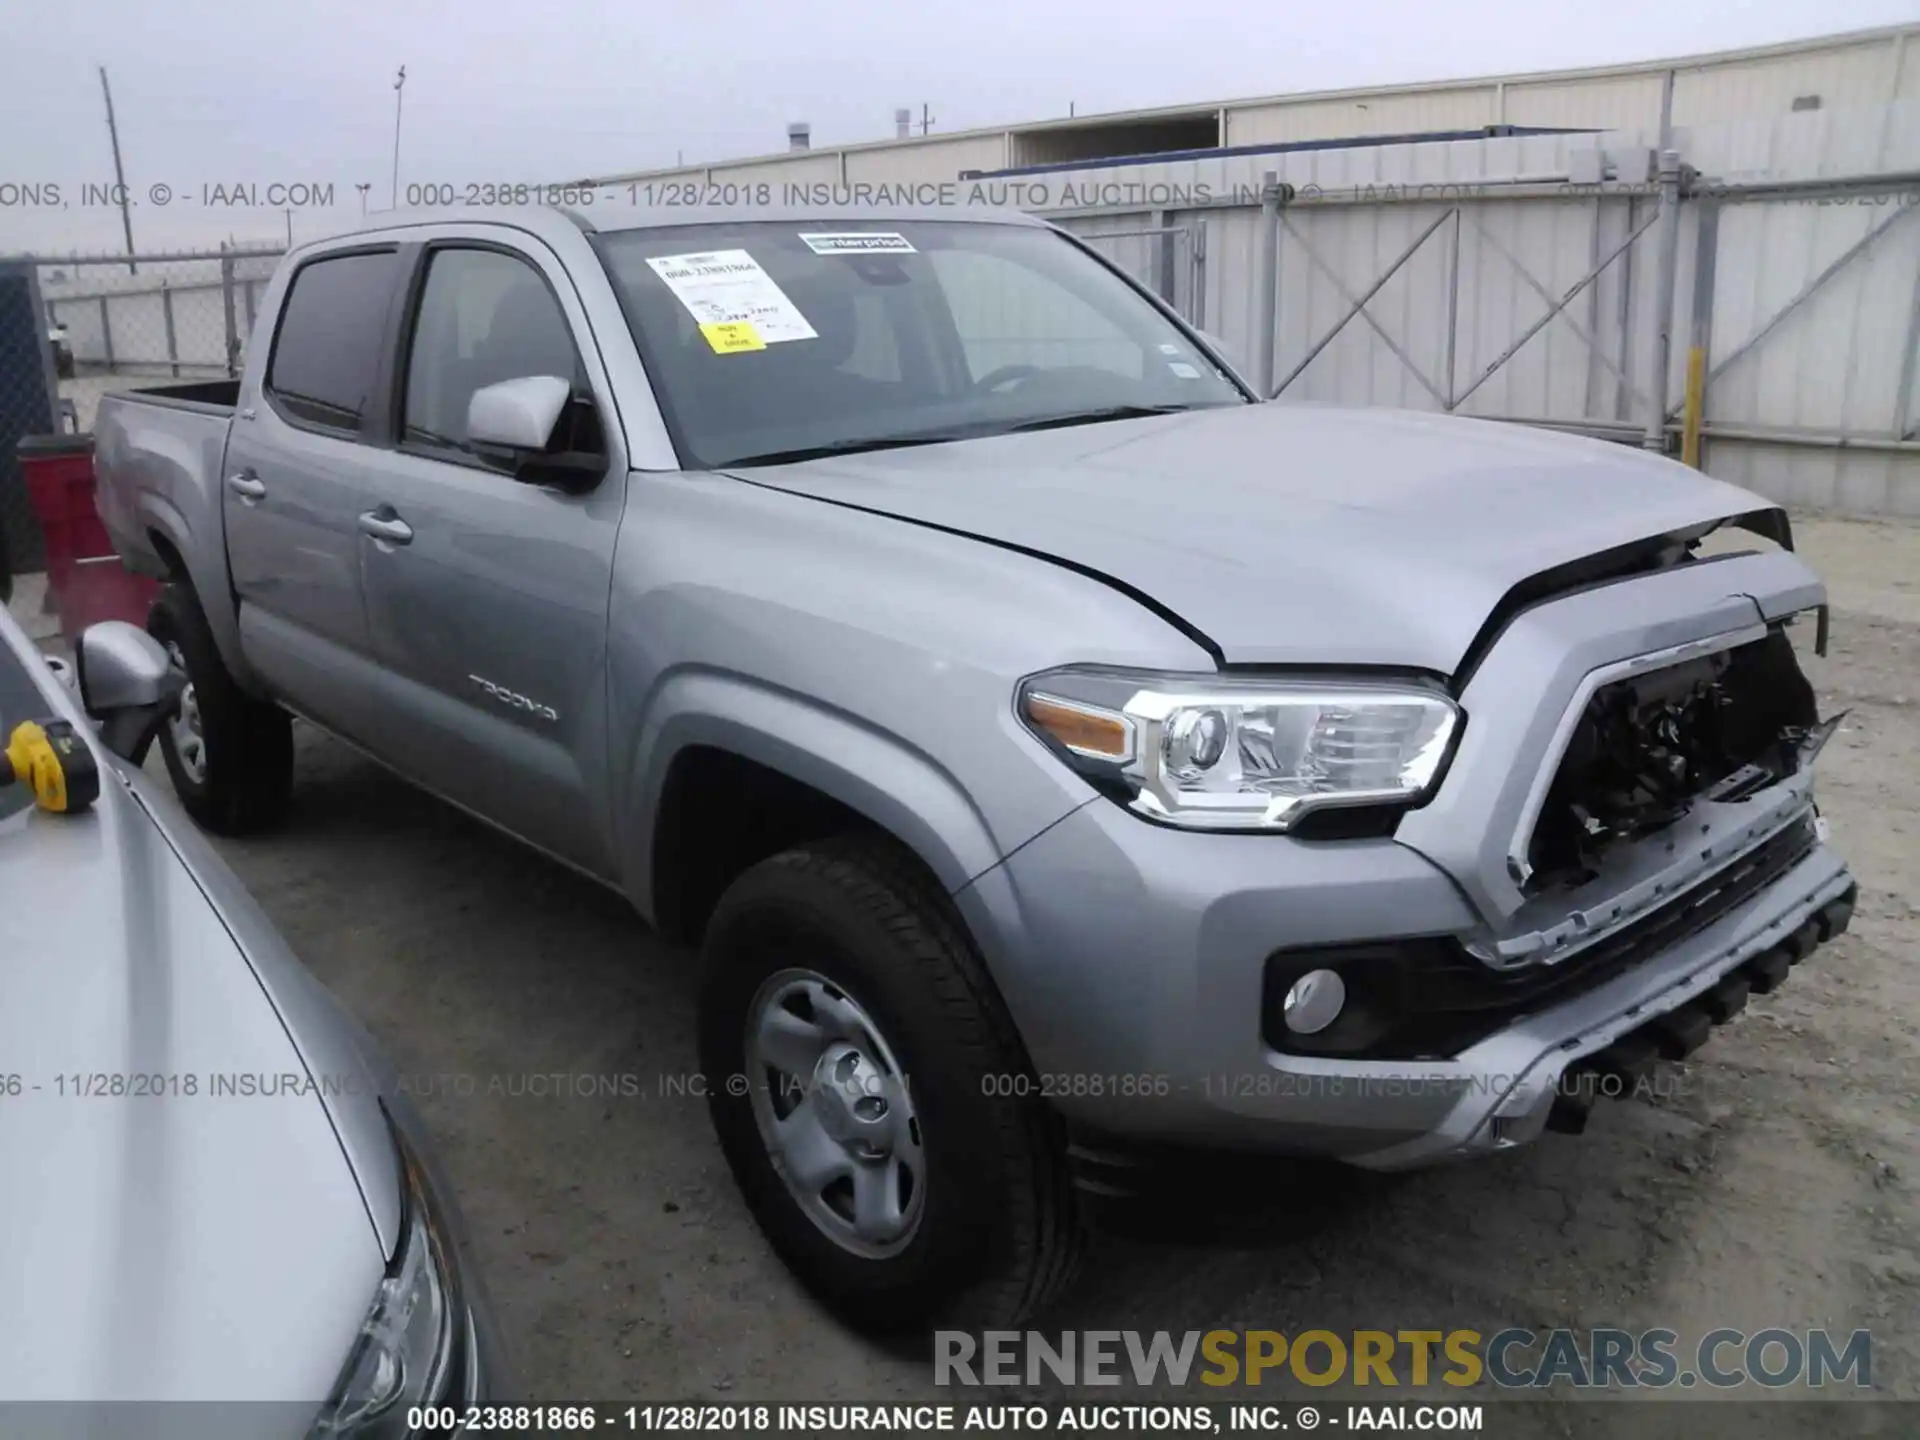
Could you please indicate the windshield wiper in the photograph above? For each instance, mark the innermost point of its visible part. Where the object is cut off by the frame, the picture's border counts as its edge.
(941, 437)
(1094, 417)
(849, 447)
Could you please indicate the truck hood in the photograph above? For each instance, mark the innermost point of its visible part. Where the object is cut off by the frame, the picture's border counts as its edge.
(1287, 533)
(162, 1245)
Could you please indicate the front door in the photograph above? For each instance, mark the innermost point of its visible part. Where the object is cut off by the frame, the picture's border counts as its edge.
(486, 595)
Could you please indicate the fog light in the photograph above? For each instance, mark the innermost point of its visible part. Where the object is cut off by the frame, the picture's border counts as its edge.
(1314, 1001)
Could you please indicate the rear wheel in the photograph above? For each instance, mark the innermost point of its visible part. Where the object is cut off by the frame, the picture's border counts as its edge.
(229, 755)
(853, 1046)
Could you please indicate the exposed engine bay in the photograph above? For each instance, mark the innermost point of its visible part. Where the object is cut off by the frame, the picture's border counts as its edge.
(1648, 748)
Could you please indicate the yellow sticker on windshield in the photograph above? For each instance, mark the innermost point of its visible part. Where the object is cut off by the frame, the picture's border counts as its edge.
(729, 337)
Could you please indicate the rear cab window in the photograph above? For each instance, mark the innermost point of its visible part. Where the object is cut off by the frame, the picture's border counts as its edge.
(326, 350)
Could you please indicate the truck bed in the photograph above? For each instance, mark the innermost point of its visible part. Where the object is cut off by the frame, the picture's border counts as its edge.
(157, 460)
(221, 395)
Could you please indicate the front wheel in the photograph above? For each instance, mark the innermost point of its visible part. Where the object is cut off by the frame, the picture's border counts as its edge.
(852, 1044)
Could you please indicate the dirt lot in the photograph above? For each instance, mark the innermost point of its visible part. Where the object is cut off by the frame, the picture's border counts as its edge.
(1775, 1184)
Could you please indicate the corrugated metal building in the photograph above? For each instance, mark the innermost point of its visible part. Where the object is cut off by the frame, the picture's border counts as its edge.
(1516, 248)
(1868, 67)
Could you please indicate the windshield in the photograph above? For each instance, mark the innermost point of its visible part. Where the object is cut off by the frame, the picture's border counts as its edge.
(776, 341)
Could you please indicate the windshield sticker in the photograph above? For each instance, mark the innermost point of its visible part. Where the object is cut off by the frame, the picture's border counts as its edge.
(728, 288)
(729, 337)
(1183, 370)
(1166, 349)
(865, 242)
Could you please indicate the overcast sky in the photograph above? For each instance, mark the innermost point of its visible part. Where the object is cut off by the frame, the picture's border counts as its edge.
(210, 91)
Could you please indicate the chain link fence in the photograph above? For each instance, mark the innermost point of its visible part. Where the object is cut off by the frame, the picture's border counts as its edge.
(73, 328)
(27, 386)
(117, 324)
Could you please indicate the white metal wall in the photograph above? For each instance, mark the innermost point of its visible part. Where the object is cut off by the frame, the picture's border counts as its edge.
(1871, 68)
(1809, 335)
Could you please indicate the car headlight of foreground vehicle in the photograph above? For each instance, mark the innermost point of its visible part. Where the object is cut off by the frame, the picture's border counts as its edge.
(1224, 753)
(414, 1347)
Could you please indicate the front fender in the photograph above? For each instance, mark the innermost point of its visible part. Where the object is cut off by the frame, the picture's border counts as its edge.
(879, 775)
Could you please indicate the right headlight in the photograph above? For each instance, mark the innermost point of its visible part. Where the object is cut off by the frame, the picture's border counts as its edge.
(412, 1349)
(1224, 753)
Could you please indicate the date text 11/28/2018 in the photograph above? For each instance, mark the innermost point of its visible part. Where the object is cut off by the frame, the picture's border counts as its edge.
(755, 1419)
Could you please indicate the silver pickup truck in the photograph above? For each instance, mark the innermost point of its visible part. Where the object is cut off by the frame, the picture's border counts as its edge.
(1061, 757)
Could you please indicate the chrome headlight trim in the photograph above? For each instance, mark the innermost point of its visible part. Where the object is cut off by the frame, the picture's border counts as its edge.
(1293, 744)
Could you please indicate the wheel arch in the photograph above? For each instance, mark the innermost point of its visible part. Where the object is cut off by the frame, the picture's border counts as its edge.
(726, 773)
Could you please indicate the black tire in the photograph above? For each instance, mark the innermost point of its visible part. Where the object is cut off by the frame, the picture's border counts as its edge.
(249, 743)
(1000, 1232)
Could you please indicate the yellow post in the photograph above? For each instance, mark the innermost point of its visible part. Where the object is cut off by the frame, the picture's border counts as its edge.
(1696, 402)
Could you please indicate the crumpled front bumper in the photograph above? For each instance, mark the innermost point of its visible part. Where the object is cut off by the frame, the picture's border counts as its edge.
(1132, 958)
(1548, 1068)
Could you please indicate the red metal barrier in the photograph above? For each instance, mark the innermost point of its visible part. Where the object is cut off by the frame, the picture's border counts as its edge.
(85, 579)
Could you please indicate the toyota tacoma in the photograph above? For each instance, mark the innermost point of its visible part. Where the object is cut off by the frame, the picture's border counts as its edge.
(1057, 752)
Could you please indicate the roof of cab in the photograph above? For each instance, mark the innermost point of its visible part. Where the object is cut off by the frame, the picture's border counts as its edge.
(549, 220)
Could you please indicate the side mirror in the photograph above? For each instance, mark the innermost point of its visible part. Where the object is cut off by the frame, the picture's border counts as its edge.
(128, 684)
(518, 417)
(517, 414)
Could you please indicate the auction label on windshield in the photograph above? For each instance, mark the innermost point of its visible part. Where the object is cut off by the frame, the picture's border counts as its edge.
(728, 288)
(727, 336)
(864, 242)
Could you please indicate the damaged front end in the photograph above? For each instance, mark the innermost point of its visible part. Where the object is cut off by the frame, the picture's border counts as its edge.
(1672, 770)
(1648, 748)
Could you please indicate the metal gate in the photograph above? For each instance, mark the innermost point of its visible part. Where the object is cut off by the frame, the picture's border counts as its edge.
(1457, 302)
(1170, 260)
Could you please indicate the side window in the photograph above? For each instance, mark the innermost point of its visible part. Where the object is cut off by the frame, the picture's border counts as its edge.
(485, 317)
(1007, 314)
(328, 345)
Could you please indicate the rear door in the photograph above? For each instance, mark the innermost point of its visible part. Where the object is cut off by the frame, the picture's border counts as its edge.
(294, 487)
(487, 595)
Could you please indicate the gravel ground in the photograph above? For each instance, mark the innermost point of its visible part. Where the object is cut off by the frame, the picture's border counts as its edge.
(1773, 1182)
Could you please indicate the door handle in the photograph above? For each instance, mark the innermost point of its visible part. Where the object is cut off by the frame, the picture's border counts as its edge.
(247, 486)
(388, 527)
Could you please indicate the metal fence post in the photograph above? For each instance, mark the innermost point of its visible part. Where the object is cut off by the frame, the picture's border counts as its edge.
(1700, 333)
(1623, 320)
(106, 332)
(1666, 260)
(226, 307)
(1266, 284)
(1197, 274)
(1453, 306)
(1163, 256)
(1587, 402)
(1909, 363)
(166, 313)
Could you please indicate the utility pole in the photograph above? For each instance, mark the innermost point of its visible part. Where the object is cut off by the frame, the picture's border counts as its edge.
(926, 119)
(363, 187)
(289, 229)
(119, 174)
(398, 85)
